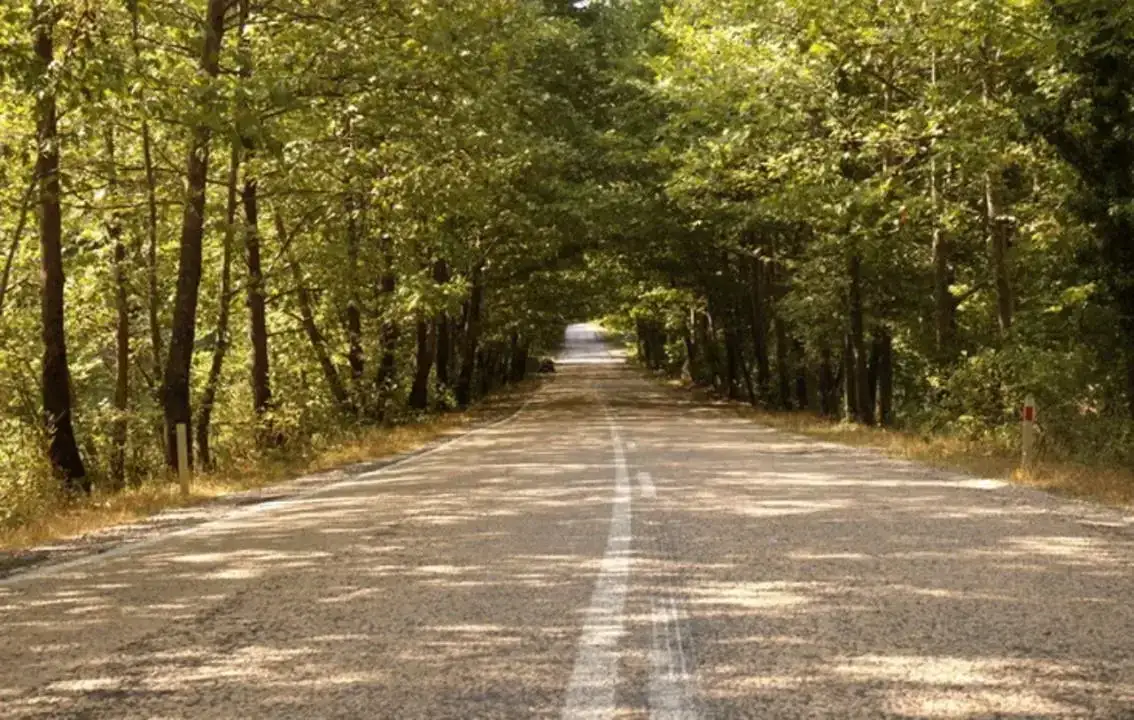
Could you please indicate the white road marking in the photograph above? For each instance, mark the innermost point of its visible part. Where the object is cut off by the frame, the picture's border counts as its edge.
(671, 682)
(591, 692)
(646, 486)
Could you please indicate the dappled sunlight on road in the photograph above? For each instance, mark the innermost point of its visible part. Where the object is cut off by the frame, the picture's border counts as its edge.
(798, 579)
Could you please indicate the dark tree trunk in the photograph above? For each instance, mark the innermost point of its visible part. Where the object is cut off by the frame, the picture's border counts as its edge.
(732, 354)
(220, 350)
(63, 450)
(850, 384)
(518, 367)
(419, 395)
(783, 365)
(388, 365)
(175, 390)
(757, 306)
(872, 375)
(256, 298)
(884, 350)
(828, 386)
(802, 396)
(444, 331)
(864, 411)
(471, 340)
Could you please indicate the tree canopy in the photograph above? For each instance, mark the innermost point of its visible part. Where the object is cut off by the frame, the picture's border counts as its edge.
(265, 219)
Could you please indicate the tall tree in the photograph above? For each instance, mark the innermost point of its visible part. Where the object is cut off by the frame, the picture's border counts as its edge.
(176, 388)
(57, 405)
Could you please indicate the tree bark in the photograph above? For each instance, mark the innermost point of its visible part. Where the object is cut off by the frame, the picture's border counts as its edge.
(154, 300)
(757, 306)
(944, 303)
(828, 390)
(999, 233)
(29, 198)
(119, 431)
(802, 396)
(63, 451)
(850, 384)
(388, 365)
(864, 412)
(884, 351)
(314, 335)
(783, 364)
(220, 350)
(444, 333)
(419, 394)
(471, 339)
(176, 388)
(355, 354)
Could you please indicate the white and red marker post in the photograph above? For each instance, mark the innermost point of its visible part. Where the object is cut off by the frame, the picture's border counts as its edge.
(1028, 430)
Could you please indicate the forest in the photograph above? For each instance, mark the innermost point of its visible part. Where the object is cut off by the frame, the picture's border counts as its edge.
(274, 220)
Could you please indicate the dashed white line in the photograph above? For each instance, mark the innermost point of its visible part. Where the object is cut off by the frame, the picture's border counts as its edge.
(646, 486)
(594, 680)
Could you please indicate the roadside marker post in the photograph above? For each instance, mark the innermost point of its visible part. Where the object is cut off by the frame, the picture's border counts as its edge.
(184, 474)
(1028, 430)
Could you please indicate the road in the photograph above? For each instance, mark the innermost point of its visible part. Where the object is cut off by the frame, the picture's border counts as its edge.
(611, 551)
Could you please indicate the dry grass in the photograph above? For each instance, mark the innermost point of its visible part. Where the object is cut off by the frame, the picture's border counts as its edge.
(1112, 485)
(58, 521)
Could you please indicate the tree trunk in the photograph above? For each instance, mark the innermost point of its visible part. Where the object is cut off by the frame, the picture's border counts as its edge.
(732, 355)
(850, 384)
(802, 396)
(828, 390)
(63, 450)
(884, 350)
(419, 395)
(471, 340)
(388, 365)
(120, 428)
(518, 367)
(175, 390)
(29, 198)
(944, 304)
(444, 331)
(314, 335)
(864, 412)
(154, 300)
(783, 364)
(220, 350)
(355, 355)
(999, 232)
(757, 306)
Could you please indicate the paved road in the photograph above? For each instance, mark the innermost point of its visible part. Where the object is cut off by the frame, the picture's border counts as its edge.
(611, 551)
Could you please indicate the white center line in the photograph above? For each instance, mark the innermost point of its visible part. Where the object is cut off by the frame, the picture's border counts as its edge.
(591, 693)
(646, 486)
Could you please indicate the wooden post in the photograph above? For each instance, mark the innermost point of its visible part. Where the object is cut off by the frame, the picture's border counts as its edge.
(1028, 430)
(184, 473)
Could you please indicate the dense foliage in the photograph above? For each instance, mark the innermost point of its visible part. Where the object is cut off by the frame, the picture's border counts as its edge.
(913, 212)
(268, 219)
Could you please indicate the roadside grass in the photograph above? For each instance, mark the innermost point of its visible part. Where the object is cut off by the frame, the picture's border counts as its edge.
(1108, 484)
(57, 518)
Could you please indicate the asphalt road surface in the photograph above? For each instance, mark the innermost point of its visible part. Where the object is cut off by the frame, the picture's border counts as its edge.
(610, 551)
